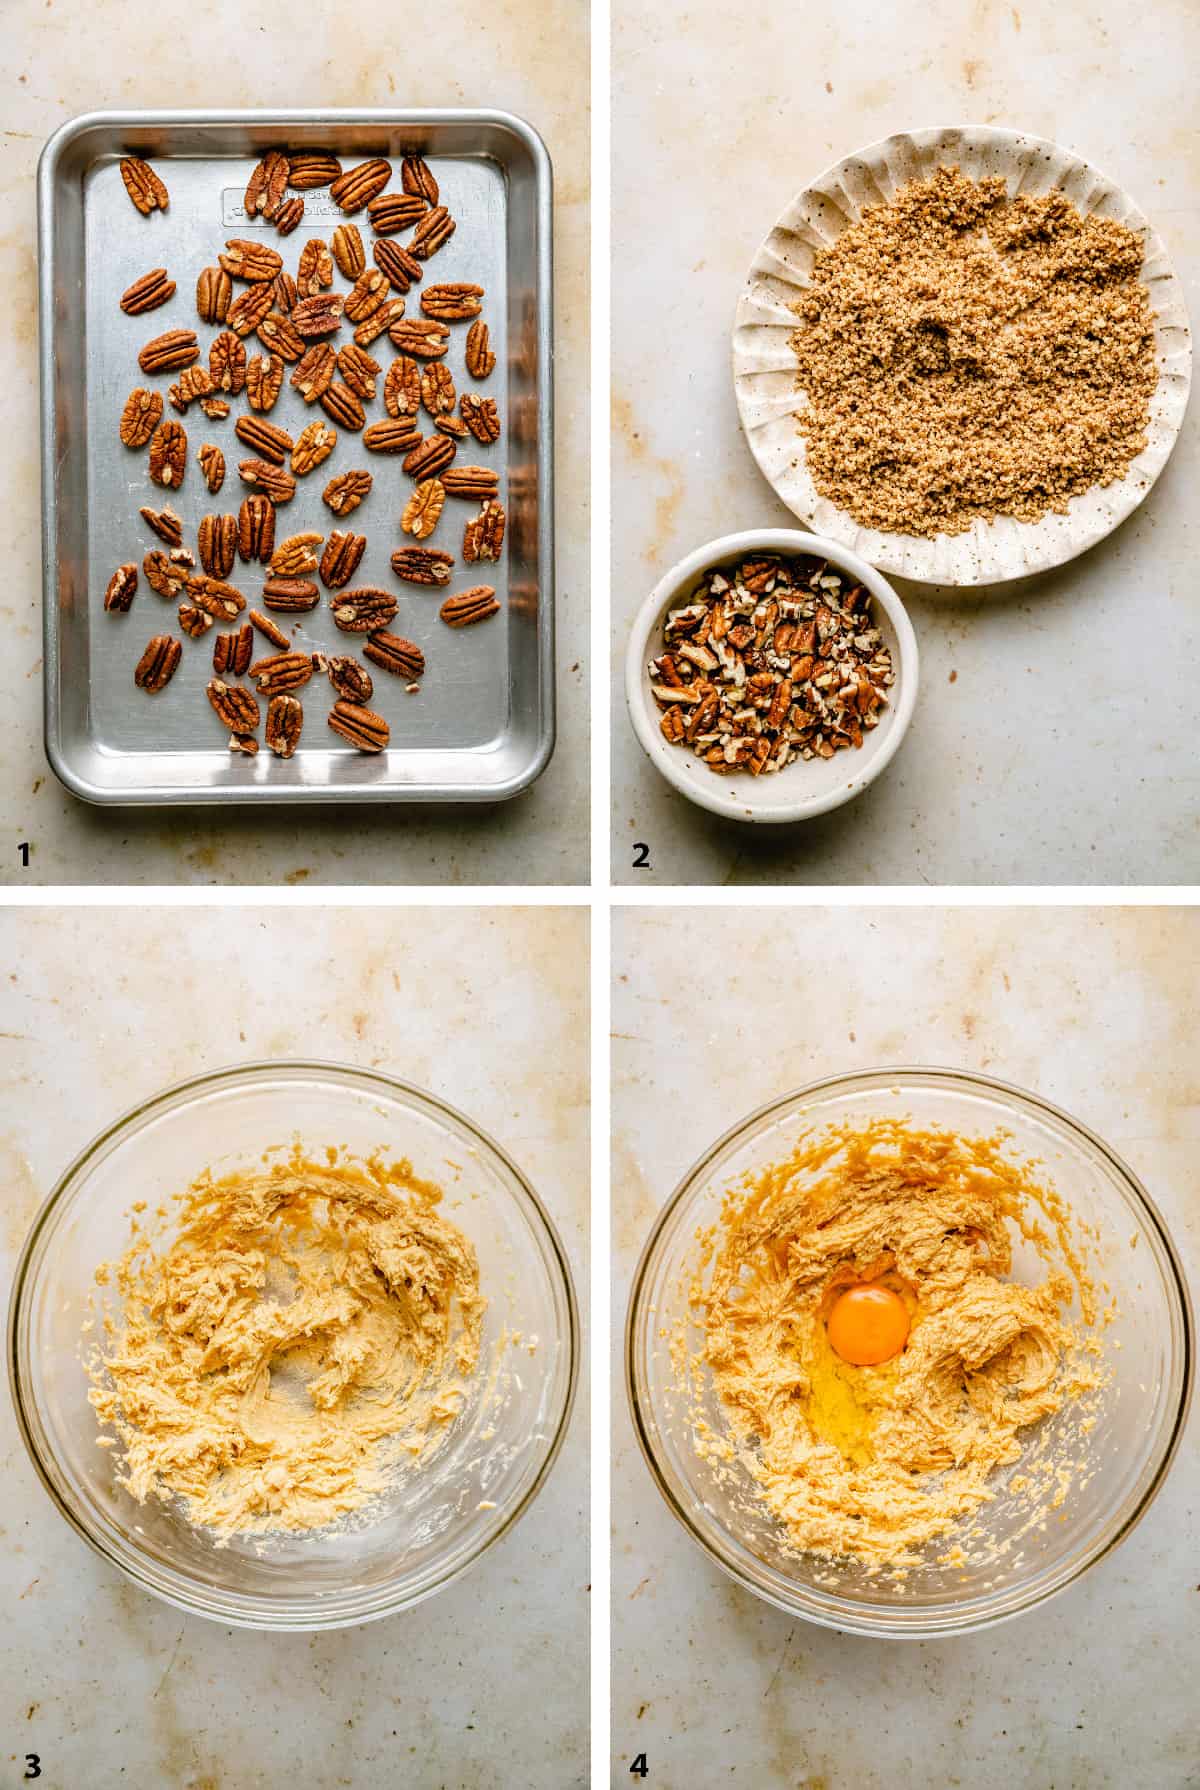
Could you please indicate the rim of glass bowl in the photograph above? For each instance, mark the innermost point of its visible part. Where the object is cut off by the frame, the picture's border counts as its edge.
(177, 1589)
(843, 1613)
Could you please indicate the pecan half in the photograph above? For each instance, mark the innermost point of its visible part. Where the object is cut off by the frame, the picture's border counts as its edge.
(264, 381)
(222, 601)
(153, 289)
(315, 442)
(256, 528)
(471, 481)
(423, 509)
(475, 605)
(431, 458)
(481, 417)
(193, 621)
(422, 565)
(367, 294)
(422, 336)
(270, 480)
(453, 303)
(267, 186)
(165, 523)
(453, 426)
(250, 307)
(278, 333)
(339, 402)
(314, 375)
(272, 442)
(193, 383)
(402, 387)
(401, 269)
(346, 247)
(362, 727)
(416, 176)
(216, 540)
(432, 233)
(164, 575)
(294, 555)
(483, 536)
(315, 272)
(285, 718)
(144, 186)
(214, 294)
(479, 357)
(349, 678)
(122, 589)
(156, 667)
(233, 652)
(212, 465)
(236, 708)
(392, 437)
(364, 610)
(284, 293)
(170, 352)
(289, 215)
(269, 630)
(140, 417)
(227, 363)
(320, 315)
(168, 454)
(341, 558)
(358, 186)
(358, 369)
(392, 653)
(312, 168)
(252, 261)
(291, 595)
(283, 671)
(346, 491)
(379, 322)
(391, 212)
(437, 390)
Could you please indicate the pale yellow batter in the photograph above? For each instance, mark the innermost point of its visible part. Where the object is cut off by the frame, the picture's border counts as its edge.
(301, 1330)
(872, 1462)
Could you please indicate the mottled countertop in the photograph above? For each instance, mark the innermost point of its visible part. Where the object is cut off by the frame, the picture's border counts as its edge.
(1054, 737)
(108, 1685)
(63, 57)
(1099, 1011)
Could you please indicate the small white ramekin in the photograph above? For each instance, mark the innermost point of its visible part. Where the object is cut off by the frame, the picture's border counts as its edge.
(805, 787)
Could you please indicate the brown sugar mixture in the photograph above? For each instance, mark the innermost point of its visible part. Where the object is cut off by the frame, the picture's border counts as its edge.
(964, 355)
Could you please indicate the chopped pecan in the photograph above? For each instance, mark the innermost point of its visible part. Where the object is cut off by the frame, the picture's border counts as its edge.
(235, 707)
(140, 417)
(193, 383)
(365, 610)
(471, 481)
(437, 390)
(217, 539)
(222, 601)
(379, 322)
(227, 363)
(314, 375)
(122, 589)
(341, 558)
(144, 186)
(313, 168)
(168, 454)
(367, 294)
(401, 269)
(278, 333)
(294, 555)
(481, 417)
(422, 336)
(165, 523)
(358, 186)
(346, 491)
(452, 303)
(153, 289)
(233, 652)
(283, 671)
(292, 596)
(164, 575)
(346, 246)
(362, 727)
(214, 294)
(267, 186)
(339, 402)
(453, 426)
(431, 458)
(170, 352)
(320, 315)
(402, 387)
(432, 233)
(290, 215)
(270, 630)
(212, 465)
(349, 678)
(416, 176)
(256, 528)
(250, 307)
(285, 718)
(475, 605)
(392, 436)
(193, 621)
(392, 212)
(251, 261)
(264, 381)
(479, 356)
(483, 536)
(423, 509)
(315, 442)
(216, 409)
(267, 439)
(156, 667)
(422, 565)
(392, 653)
(244, 742)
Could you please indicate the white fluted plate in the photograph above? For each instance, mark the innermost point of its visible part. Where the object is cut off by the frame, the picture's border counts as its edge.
(764, 368)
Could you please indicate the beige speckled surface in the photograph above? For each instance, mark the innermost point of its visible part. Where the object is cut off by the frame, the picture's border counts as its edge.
(1048, 707)
(68, 57)
(112, 1687)
(1098, 1010)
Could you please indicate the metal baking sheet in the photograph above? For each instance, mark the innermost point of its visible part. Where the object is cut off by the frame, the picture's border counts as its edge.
(482, 726)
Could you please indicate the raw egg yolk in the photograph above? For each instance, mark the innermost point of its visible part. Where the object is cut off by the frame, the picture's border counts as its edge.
(867, 1325)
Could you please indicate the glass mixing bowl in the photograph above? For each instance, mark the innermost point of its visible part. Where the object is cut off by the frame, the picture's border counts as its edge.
(1148, 1351)
(434, 1522)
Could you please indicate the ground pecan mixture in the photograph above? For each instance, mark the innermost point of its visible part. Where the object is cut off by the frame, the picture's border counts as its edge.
(964, 355)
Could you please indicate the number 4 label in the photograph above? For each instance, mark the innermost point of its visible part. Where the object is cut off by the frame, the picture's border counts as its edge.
(639, 1768)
